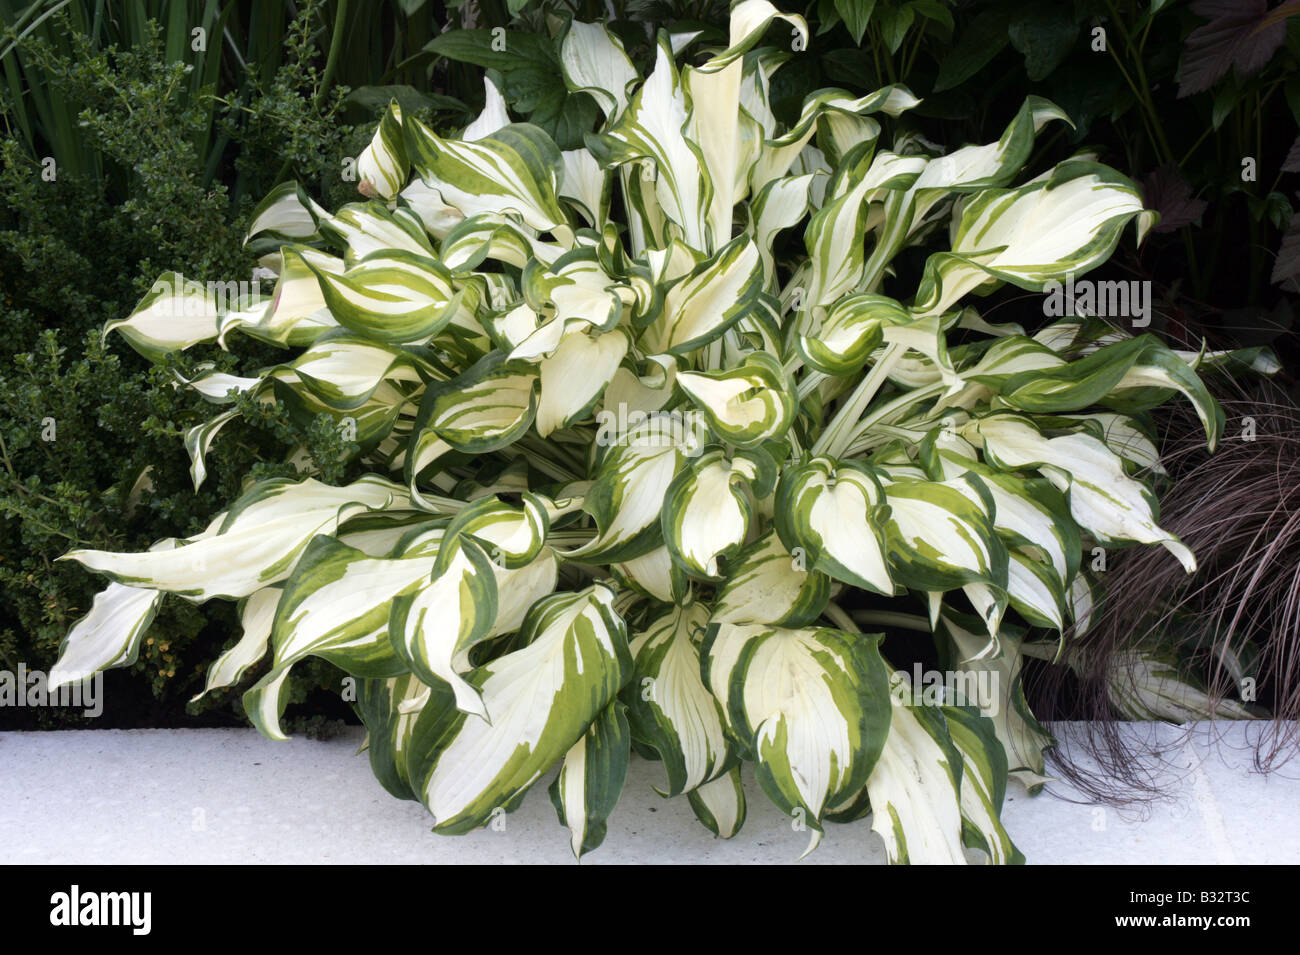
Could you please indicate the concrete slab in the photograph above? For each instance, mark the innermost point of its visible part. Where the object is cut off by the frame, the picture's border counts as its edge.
(230, 796)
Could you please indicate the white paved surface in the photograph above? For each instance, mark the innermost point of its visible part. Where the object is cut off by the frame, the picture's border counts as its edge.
(231, 796)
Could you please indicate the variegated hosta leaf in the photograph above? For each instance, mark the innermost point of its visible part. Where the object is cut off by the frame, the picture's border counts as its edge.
(391, 297)
(834, 235)
(654, 574)
(1034, 589)
(1152, 684)
(1135, 374)
(720, 804)
(811, 706)
(593, 62)
(389, 709)
(541, 699)
(650, 128)
(701, 306)
(368, 421)
(428, 207)
(591, 779)
(514, 170)
(1005, 358)
(257, 543)
(287, 214)
(1103, 499)
(975, 167)
(1129, 437)
(369, 227)
(574, 376)
(1065, 223)
(769, 585)
(915, 789)
(483, 237)
(511, 536)
(297, 314)
(728, 139)
(337, 606)
(217, 386)
(256, 615)
(940, 536)
(343, 371)
(382, 166)
(840, 122)
(434, 627)
(1027, 511)
(749, 19)
(107, 636)
(575, 293)
(584, 185)
(709, 506)
(1033, 519)
(198, 440)
(670, 708)
(1023, 739)
(833, 514)
(641, 394)
(487, 407)
(392, 532)
(175, 314)
(962, 171)
(518, 589)
(747, 405)
(983, 784)
(781, 204)
(627, 497)
(493, 117)
(852, 329)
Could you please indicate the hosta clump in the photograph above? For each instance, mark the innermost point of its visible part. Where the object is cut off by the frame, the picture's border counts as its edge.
(630, 457)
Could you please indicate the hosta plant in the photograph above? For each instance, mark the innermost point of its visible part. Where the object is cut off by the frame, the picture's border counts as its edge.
(654, 430)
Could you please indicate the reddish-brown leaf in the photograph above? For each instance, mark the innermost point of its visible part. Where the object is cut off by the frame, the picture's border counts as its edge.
(1166, 191)
(1287, 264)
(1292, 161)
(1241, 33)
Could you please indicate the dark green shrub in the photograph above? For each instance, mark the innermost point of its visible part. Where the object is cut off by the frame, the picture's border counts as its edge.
(80, 241)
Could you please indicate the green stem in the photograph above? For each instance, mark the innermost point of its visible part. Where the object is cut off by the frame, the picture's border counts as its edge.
(1142, 89)
(833, 441)
(892, 407)
(332, 61)
(875, 56)
(809, 383)
(552, 468)
(1199, 139)
(1043, 650)
(877, 37)
(910, 58)
(891, 618)
(4, 454)
(837, 616)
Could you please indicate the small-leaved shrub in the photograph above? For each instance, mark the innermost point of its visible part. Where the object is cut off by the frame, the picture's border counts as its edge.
(112, 160)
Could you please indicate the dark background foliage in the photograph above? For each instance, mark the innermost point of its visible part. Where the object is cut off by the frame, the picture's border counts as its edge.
(162, 140)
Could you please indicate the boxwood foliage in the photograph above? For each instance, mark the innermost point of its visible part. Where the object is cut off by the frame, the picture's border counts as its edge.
(118, 166)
